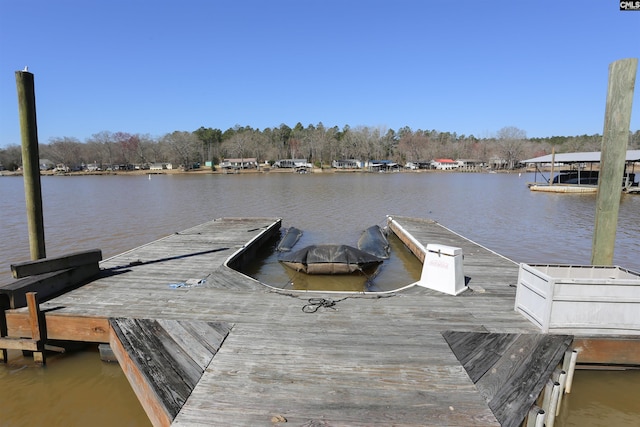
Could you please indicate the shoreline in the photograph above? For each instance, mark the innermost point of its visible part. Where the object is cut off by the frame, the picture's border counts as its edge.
(204, 171)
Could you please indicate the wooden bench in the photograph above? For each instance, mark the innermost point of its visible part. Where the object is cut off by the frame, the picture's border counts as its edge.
(49, 277)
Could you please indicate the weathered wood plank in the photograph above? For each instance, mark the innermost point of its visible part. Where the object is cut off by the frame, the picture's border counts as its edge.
(157, 353)
(523, 382)
(354, 377)
(162, 343)
(156, 367)
(189, 343)
(509, 370)
(479, 352)
(47, 285)
(18, 344)
(48, 265)
(147, 395)
(65, 328)
(495, 379)
(210, 334)
(482, 267)
(604, 350)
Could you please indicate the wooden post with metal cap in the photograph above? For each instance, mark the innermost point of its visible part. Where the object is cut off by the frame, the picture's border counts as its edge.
(31, 162)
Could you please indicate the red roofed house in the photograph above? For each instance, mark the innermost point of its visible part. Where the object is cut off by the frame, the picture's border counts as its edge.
(444, 164)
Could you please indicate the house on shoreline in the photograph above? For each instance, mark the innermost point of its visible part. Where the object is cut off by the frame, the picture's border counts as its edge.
(347, 164)
(242, 163)
(292, 163)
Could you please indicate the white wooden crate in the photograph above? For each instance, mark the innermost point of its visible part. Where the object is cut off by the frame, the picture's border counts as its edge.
(583, 300)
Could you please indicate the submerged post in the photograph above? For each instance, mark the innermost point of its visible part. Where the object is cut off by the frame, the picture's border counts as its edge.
(31, 162)
(622, 76)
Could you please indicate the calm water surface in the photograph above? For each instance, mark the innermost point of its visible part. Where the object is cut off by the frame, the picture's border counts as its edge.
(117, 213)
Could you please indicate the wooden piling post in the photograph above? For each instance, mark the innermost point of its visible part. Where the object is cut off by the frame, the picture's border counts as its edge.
(4, 304)
(622, 75)
(38, 328)
(31, 162)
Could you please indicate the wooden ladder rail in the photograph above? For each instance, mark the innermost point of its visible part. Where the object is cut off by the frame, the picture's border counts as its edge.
(36, 343)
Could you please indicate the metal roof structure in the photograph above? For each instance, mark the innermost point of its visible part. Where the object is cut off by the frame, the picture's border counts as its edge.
(585, 157)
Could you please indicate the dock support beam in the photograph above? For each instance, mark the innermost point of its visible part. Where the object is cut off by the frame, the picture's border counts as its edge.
(550, 402)
(4, 304)
(569, 365)
(535, 418)
(622, 76)
(36, 343)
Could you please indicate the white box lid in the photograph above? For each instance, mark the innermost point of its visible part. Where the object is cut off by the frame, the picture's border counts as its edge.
(443, 249)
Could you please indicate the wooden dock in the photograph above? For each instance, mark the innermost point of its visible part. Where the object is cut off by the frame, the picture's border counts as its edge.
(242, 353)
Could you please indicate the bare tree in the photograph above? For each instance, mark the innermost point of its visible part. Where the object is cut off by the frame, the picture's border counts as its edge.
(634, 140)
(412, 146)
(11, 157)
(185, 146)
(511, 142)
(367, 143)
(105, 142)
(128, 146)
(241, 145)
(65, 150)
(144, 148)
(259, 144)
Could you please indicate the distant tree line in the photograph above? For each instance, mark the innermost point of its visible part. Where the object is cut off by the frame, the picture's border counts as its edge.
(318, 144)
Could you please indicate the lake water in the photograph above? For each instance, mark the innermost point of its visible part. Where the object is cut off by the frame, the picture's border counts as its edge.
(116, 213)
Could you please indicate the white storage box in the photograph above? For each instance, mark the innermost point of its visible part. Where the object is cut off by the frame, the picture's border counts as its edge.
(442, 269)
(580, 299)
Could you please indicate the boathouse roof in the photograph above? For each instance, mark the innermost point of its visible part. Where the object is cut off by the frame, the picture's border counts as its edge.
(584, 157)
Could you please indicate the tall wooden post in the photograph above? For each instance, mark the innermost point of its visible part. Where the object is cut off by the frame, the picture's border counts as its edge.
(31, 163)
(4, 305)
(617, 119)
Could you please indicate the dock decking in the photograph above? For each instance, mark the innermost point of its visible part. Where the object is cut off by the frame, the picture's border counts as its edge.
(370, 359)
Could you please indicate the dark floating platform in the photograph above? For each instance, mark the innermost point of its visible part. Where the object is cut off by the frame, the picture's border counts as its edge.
(289, 240)
(330, 259)
(374, 241)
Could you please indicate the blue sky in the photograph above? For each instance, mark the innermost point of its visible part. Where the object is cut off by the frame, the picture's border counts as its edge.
(471, 67)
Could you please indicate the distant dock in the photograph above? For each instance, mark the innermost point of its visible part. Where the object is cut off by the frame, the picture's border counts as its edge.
(203, 344)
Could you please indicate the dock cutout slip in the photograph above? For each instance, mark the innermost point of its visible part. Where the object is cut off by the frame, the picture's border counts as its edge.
(509, 370)
(164, 359)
